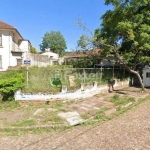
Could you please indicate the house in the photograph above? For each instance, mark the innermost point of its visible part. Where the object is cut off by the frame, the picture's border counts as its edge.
(98, 60)
(13, 47)
(53, 57)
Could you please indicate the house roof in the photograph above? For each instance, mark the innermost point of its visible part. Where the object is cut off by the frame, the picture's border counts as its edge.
(4, 25)
(86, 53)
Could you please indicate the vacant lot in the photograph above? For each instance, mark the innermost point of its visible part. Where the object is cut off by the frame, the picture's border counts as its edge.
(130, 130)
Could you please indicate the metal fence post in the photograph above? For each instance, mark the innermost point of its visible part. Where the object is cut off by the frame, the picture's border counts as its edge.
(27, 74)
(84, 74)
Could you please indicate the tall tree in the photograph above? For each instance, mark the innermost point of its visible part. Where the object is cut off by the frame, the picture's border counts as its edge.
(128, 25)
(33, 50)
(55, 41)
(85, 43)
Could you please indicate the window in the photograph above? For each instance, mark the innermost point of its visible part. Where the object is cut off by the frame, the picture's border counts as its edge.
(0, 39)
(0, 61)
(148, 74)
(19, 62)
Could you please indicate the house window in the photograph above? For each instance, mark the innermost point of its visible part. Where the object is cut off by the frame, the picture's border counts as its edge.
(0, 61)
(148, 75)
(19, 62)
(0, 39)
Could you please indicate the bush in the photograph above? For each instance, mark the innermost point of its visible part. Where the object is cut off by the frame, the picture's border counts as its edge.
(10, 82)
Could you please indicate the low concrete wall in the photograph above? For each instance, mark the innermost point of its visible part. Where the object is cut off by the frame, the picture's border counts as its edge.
(80, 93)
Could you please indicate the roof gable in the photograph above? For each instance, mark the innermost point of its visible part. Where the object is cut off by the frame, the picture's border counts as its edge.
(5, 25)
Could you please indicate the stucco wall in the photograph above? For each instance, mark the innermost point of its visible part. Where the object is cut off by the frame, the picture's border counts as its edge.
(37, 59)
(51, 55)
(5, 49)
(24, 46)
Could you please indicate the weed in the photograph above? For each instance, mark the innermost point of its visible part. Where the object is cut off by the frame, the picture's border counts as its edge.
(52, 117)
(119, 101)
(86, 115)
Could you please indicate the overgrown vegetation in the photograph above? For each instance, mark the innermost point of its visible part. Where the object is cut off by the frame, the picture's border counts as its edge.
(42, 79)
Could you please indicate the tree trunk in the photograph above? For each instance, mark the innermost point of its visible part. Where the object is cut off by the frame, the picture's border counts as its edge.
(131, 71)
(138, 75)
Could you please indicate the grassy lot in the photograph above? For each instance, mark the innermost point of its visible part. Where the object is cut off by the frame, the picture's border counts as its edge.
(50, 79)
(26, 116)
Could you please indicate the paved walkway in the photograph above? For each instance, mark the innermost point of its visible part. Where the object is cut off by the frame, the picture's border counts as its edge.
(99, 101)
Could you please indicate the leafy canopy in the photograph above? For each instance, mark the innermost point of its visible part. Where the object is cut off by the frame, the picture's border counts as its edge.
(128, 26)
(55, 41)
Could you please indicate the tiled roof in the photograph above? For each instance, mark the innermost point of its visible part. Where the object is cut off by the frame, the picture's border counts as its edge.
(5, 25)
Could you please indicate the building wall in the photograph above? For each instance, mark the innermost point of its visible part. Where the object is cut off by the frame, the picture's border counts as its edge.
(51, 55)
(12, 48)
(38, 59)
(25, 46)
(15, 42)
(5, 49)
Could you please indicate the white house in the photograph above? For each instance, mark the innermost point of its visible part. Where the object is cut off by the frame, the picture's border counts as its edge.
(53, 57)
(13, 47)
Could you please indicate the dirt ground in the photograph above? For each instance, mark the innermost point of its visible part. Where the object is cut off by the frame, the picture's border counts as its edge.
(130, 130)
(82, 106)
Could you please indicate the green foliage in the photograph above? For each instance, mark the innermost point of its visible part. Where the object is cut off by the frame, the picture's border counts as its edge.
(10, 82)
(85, 43)
(120, 101)
(128, 24)
(33, 50)
(55, 41)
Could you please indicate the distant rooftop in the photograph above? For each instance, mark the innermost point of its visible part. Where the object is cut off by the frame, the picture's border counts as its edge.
(86, 53)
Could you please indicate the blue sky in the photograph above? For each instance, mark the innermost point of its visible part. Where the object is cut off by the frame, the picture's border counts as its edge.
(33, 18)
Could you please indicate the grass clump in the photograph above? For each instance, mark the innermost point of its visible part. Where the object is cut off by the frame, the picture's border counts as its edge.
(24, 123)
(9, 105)
(119, 101)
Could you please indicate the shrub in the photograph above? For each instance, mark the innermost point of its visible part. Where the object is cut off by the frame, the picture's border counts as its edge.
(9, 85)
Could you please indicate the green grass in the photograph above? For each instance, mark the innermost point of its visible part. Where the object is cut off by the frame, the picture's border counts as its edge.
(9, 105)
(119, 101)
(86, 115)
(52, 117)
(24, 123)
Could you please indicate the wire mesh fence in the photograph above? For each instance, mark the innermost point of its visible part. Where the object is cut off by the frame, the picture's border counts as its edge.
(50, 80)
